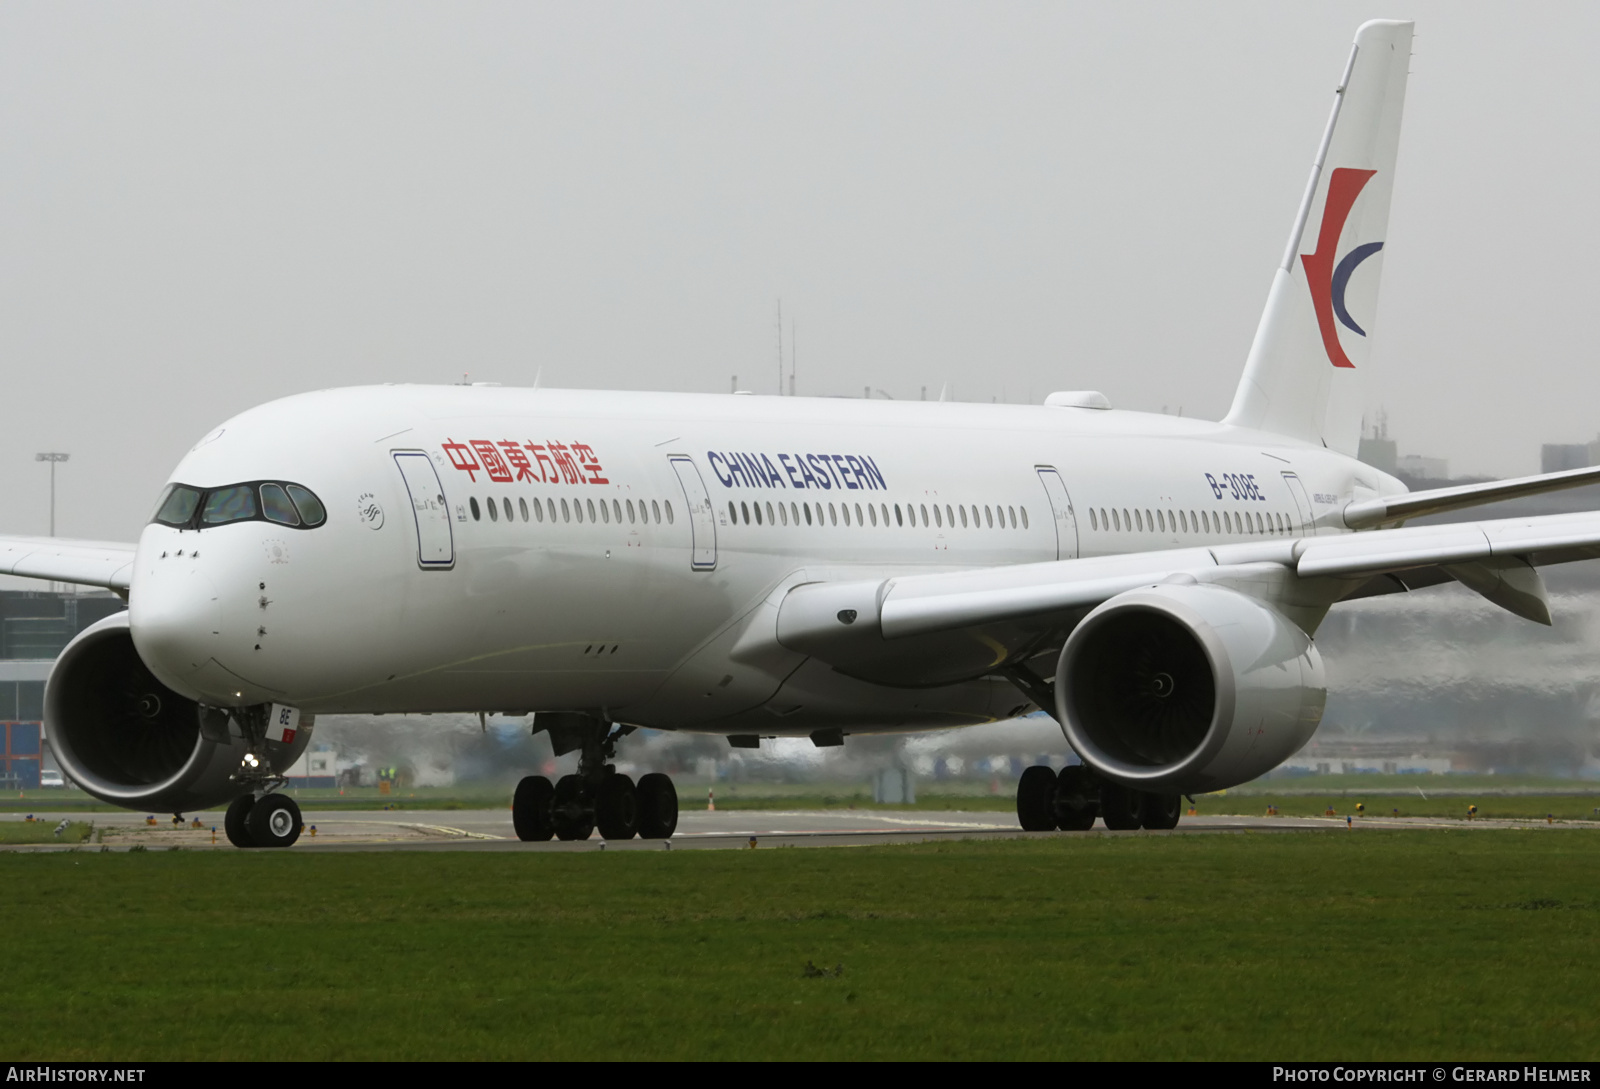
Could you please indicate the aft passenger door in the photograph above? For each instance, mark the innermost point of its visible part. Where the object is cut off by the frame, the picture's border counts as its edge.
(1297, 492)
(702, 523)
(429, 512)
(1066, 522)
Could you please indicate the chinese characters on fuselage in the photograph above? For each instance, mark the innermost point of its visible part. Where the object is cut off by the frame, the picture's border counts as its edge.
(509, 461)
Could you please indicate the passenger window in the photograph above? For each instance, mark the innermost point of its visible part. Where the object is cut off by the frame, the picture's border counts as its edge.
(899, 520)
(656, 510)
(668, 505)
(963, 516)
(522, 507)
(859, 520)
(538, 510)
(1011, 513)
(758, 513)
(312, 513)
(494, 510)
(950, 516)
(276, 506)
(783, 514)
(566, 515)
(885, 508)
(844, 511)
(1024, 517)
(988, 516)
(506, 502)
(1094, 519)
(808, 514)
(746, 509)
(794, 512)
(473, 503)
(771, 521)
(873, 511)
(938, 519)
(733, 514)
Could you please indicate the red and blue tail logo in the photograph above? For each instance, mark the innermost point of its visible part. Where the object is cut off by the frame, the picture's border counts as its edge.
(1327, 281)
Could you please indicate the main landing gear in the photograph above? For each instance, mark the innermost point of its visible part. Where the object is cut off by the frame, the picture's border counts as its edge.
(598, 796)
(1071, 800)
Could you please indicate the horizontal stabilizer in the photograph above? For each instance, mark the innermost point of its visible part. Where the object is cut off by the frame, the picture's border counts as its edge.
(1397, 508)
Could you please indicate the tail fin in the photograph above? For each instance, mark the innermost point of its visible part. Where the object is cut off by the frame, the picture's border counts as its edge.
(1303, 377)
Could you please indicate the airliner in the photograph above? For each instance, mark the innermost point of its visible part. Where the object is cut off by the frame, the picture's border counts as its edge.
(765, 567)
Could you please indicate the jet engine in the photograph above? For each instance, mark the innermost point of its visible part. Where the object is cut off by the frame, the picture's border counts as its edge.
(128, 739)
(1188, 688)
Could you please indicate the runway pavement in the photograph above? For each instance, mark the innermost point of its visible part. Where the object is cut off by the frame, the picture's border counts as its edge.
(490, 829)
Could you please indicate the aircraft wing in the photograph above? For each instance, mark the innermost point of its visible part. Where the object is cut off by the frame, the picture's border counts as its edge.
(107, 564)
(1496, 558)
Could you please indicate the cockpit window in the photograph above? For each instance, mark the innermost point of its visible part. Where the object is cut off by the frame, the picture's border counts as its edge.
(276, 506)
(187, 507)
(310, 506)
(178, 505)
(233, 504)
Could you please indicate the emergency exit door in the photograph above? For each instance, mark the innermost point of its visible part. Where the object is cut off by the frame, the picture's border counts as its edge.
(429, 512)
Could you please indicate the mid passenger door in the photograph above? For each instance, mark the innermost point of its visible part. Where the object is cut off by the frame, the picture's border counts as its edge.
(429, 512)
(702, 523)
(1066, 522)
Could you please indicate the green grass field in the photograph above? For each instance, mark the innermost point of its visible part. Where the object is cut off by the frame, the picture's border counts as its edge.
(17, 831)
(1338, 944)
(1563, 807)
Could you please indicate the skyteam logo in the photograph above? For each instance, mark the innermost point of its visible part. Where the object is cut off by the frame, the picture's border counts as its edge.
(1328, 282)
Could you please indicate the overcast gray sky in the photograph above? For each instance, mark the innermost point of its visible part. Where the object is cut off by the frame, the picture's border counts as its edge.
(207, 206)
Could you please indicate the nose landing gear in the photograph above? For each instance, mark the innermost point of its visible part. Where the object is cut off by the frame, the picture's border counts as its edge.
(598, 795)
(272, 820)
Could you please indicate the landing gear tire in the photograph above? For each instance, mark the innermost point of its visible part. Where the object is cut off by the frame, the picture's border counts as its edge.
(571, 812)
(236, 821)
(274, 821)
(1160, 811)
(1119, 807)
(616, 810)
(658, 806)
(1036, 791)
(1076, 802)
(530, 809)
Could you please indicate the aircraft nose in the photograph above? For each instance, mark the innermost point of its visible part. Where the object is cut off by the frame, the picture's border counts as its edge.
(174, 614)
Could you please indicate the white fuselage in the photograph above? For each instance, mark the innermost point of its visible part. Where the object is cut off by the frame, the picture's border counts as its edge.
(576, 564)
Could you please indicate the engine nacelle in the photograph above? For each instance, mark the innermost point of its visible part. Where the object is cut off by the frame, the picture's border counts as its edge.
(1188, 688)
(128, 739)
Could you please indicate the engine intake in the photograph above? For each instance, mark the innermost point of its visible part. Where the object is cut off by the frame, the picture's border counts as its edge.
(1188, 688)
(128, 739)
